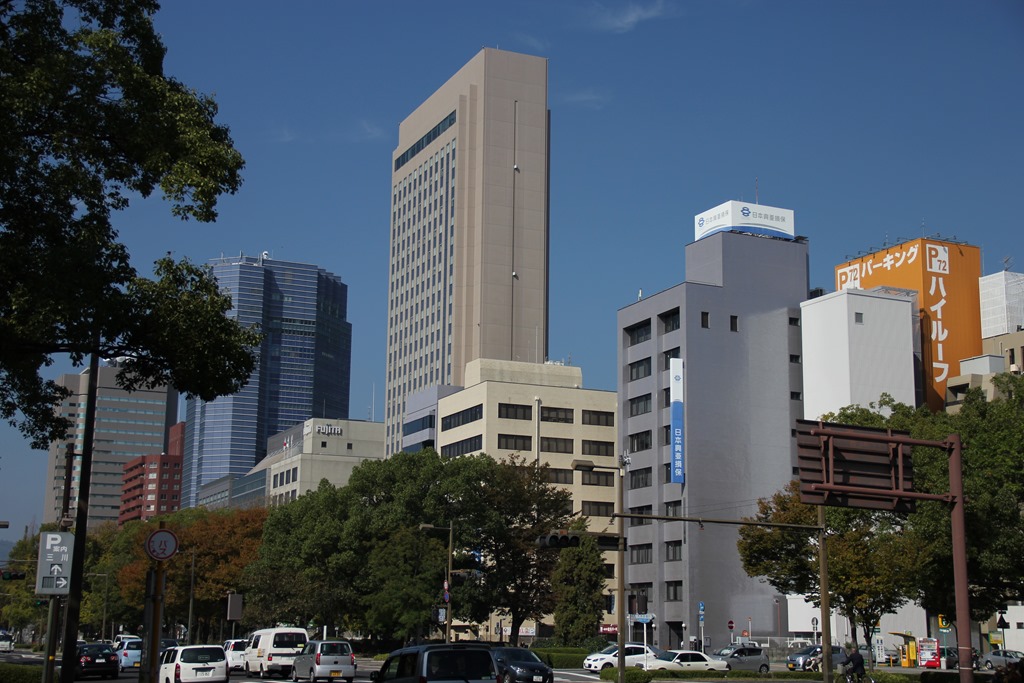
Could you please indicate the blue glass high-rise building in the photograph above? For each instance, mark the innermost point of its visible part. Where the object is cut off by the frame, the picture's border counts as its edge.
(303, 372)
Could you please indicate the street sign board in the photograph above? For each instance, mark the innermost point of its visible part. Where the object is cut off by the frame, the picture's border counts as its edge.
(162, 544)
(53, 576)
(643, 618)
(701, 617)
(700, 607)
(731, 624)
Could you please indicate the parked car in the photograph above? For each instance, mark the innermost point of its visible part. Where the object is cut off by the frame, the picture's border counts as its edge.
(194, 664)
(454, 662)
(746, 658)
(519, 665)
(96, 659)
(165, 644)
(685, 660)
(130, 654)
(235, 650)
(609, 657)
(798, 661)
(325, 659)
(997, 658)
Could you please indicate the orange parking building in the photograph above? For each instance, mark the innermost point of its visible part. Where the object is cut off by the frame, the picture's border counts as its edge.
(945, 276)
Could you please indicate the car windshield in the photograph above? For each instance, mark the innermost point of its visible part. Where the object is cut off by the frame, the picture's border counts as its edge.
(667, 656)
(517, 654)
(335, 648)
(200, 655)
(460, 665)
(133, 645)
(610, 650)
(289, 639)
(724, 651)
(806, 650)
(96, 649)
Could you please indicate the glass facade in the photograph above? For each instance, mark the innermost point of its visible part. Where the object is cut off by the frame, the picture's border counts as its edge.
(304, 367)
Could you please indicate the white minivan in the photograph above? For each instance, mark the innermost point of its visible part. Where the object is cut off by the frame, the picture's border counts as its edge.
(273, 650)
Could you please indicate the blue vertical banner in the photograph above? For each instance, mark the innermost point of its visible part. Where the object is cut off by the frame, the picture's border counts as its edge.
(677, 435)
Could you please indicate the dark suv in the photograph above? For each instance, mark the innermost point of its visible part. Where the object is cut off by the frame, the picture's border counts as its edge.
(455, 662)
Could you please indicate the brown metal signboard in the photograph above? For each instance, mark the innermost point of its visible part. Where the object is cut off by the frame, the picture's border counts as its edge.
(848, 466)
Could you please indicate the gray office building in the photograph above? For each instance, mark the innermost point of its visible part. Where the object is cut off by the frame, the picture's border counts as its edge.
(128, 425)
(468, 261)
(735, 323)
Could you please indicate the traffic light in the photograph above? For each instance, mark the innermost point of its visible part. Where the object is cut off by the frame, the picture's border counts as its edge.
(559, 539)
(12, 575)
(41, 602)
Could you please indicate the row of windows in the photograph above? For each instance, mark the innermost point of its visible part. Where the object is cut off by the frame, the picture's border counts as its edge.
(470, 445)
(435, 132)
(641, 331)
(286, 477)
(560, 475)
(463, 417)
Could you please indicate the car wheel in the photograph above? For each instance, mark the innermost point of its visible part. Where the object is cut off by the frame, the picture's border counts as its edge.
(606, 665)
(312, 678)
(295, 675)
(763, 668)
(510, 677)
(263, 672)
(988, 664)
(728, 667)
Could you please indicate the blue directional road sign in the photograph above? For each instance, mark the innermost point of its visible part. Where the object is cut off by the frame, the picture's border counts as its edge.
(700, 606)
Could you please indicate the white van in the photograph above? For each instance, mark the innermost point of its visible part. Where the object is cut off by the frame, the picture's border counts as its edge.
(273, 650)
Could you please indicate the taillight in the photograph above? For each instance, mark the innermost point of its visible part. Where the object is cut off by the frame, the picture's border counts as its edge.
(318, 659)
(352, 658)
(270, 657)
(85, 660)
(177, 672)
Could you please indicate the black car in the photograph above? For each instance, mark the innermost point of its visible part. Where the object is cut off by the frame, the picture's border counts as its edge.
(97, 659)
(519, 665)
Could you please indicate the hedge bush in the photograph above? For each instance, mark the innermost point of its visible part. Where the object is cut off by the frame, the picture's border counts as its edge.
(633, 675)
(21, 673)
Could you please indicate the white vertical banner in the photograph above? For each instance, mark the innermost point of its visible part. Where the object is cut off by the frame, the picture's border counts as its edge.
(675, 391)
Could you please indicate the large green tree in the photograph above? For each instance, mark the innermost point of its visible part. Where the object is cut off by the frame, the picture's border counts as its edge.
(992, 436)
(578, 583)
(89, 120)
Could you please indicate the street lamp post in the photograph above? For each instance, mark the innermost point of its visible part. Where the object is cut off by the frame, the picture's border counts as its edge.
(448, 576)
(621, 601)
(191, 597)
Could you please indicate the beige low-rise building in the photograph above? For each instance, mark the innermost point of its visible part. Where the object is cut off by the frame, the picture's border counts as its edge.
(540, 412)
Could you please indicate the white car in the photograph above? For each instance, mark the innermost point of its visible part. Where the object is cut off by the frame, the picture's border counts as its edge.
(684, 660)
(194, 664)
(607, 658)
(235, 650)
(6, 642)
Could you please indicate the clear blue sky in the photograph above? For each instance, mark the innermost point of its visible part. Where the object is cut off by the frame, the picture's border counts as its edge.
(873, 120)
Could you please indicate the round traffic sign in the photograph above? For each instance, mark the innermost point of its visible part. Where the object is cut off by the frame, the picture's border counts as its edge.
(162, 544)
(731, 624)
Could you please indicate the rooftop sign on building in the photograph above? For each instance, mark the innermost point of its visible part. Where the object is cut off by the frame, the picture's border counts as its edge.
(755, 218)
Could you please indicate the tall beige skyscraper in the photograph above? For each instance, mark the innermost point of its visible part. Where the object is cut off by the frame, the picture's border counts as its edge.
(468, 272)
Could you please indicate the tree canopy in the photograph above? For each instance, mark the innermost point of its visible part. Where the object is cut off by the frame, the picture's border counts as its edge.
(88, 121)
(872, 553)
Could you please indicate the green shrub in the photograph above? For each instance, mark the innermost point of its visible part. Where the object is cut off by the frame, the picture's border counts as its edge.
(564, 660)
(21, 673)
(633, 675)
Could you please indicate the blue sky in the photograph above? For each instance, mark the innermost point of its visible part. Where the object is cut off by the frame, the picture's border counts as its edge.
(873, 120)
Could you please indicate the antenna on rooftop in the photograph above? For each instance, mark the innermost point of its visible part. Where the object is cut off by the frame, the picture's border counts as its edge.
(755, 191)
(1007, 263)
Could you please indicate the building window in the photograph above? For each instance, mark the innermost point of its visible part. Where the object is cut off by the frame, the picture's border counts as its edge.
(795, 395)
(673, 591)
(593, 508)
(666, 435)
(668, 356)
(463, 447)
(564, 415)
(794, 358)
(608, 570)
(794, 321)
(558, 475)
(462, 417)
(595, 478)
(640, 478)
(641, 554)
(670, 320)
(705, 319)
(639, 405)
(638, 333)
(598, 447)
(641, 441)
(666, 397)
(734, 323)
(515, 411)
(673, 551)
(674, 508)
(515, 442)
(858, 318)
(549, 444)
(599, 418)
(275, 482)
(640, 369)
(642, 510)
(323, 444)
